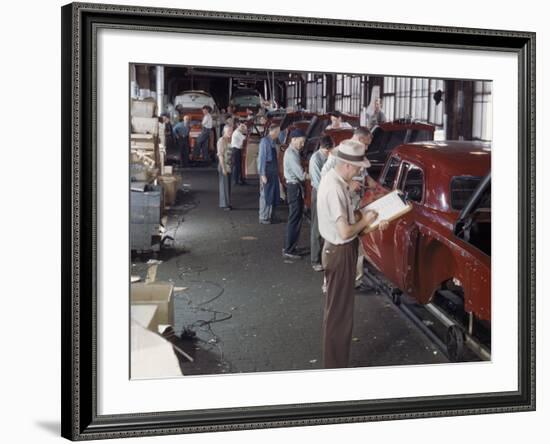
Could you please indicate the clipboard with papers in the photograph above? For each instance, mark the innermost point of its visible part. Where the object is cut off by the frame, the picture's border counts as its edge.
(389, 207)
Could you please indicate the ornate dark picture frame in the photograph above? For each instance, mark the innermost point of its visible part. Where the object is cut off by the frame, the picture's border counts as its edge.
(80, 22)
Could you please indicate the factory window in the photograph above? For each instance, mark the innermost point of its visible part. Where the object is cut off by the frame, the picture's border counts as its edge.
(388, 98)
(419, 99)
(338, 97)
(292, 94)
(396, 98)
(482, 123)
(403, 98)
(349, 91)
(356, 92)
(324, 93)
(316, 93)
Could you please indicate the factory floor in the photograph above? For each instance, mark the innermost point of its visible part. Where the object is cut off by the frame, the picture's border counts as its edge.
(244, 308)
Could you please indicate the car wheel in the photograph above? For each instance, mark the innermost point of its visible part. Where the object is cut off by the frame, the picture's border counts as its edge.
(455, 343)
(396, 296)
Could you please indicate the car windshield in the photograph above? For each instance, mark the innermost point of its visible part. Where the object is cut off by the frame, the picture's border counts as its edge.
(462, 188)
(247, 100)
(194, 100)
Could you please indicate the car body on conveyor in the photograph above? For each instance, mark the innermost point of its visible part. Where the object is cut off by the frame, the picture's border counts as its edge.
(317, 129)
(440, 251)
(190, 103)
(244, 99)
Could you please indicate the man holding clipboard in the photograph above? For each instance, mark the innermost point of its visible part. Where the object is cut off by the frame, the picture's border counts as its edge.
(340, 228)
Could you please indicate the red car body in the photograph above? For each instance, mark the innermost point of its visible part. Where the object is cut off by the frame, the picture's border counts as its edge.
(420, 253)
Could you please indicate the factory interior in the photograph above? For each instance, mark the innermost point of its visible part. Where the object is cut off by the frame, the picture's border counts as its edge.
(214, 288)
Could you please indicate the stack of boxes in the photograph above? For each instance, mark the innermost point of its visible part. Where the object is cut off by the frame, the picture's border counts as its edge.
(145, 216)
(145, 196)
(153, 186)
(144, 139)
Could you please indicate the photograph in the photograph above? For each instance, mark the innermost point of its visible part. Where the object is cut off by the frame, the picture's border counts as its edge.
(287, 220)
(275, 221)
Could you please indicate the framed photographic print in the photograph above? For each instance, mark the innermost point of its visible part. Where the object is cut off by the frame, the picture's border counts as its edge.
(208, 284)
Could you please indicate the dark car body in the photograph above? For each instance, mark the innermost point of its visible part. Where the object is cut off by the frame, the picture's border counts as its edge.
(436, 247)
(317, 129)
(243, 99)
(295, 116)
(386, 137)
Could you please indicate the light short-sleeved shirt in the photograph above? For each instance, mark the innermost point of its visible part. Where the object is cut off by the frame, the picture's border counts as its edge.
(331, 161)
(376, 119)
(207, 121)
(237, 139)
(292, 166)
(333, 203)
(316, 163)
(223, 150)
(342, 125)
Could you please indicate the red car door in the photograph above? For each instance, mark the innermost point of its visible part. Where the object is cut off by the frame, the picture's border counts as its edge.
(411, 183)
(379, 245)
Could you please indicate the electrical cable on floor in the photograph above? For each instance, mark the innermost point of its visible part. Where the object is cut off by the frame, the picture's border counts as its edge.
(182, 211)
(205, 325)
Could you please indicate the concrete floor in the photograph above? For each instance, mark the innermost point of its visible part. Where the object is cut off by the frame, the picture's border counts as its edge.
(252, 311)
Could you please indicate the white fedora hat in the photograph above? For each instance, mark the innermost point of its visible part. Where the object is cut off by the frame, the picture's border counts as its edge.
(354, 152)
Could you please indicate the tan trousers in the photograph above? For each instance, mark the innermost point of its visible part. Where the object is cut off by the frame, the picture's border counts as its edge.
(339, 262)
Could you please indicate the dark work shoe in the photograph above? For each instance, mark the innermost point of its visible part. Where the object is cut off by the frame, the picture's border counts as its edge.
(291, 256)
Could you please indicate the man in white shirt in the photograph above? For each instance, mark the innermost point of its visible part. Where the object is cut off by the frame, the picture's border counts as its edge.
(364, 136)
(237, 141)
(340, 226)
(202, 142)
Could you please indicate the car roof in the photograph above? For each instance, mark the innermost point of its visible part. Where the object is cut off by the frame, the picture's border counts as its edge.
(452, 158)
(399, 126)
(195, 91)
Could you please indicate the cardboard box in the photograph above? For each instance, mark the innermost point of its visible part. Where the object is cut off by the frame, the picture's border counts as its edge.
(146, 142)
(146, 315)
(145, 125)
(170, 185)
(151, 355)
(145, 138)
(143, 108)
(143, 146)
(156, 293)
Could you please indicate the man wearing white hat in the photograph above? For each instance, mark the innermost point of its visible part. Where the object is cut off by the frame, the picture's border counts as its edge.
(339, 228)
